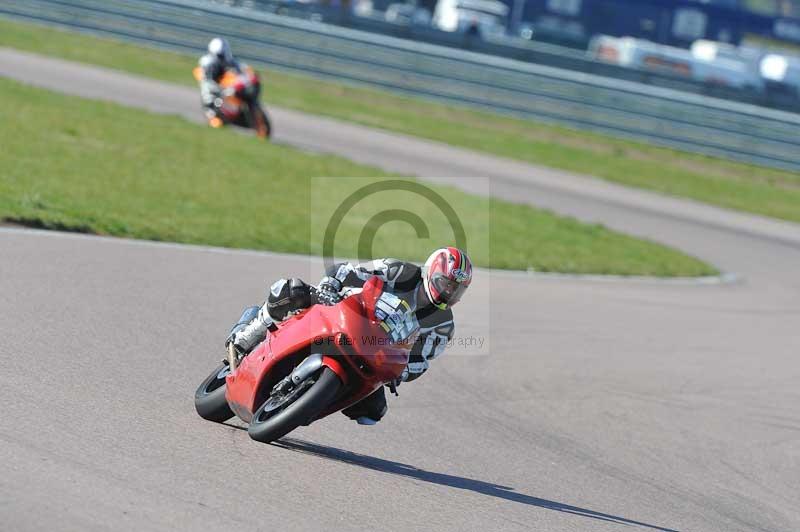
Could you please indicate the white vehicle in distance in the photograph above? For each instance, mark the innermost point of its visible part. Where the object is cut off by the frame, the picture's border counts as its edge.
(781, 71)
(484, 16)
(707, 61)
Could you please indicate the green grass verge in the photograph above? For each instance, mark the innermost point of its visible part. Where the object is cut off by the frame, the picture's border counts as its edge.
(728, 184)
(77, 164)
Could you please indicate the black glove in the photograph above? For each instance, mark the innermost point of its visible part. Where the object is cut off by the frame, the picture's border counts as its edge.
(328, 291)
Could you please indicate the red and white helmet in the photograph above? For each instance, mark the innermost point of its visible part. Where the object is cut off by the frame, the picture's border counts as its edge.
(446, 276)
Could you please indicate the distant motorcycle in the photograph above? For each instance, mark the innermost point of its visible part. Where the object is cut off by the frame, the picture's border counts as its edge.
(240, 104)
(313, 364)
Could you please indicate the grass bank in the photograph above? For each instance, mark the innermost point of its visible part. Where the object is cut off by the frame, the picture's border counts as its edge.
(738, 186)
(77, 164)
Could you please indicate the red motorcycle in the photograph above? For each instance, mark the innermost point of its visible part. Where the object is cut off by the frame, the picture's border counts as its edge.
(313, 364)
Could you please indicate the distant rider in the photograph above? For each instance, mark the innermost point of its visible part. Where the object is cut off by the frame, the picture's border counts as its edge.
(413, 298)
(213, 65)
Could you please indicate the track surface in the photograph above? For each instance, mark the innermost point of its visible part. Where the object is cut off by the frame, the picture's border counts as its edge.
(602, 406)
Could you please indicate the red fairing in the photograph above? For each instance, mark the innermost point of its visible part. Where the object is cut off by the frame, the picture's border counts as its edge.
(352, 343)
(230, 112)
(369, 295)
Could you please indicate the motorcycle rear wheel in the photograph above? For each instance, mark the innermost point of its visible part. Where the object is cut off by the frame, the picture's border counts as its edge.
(209, 399)
(274, 420)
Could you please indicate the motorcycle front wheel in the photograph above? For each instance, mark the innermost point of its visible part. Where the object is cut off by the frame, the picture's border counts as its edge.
(279, 415)
(209, 399)
(262, 124)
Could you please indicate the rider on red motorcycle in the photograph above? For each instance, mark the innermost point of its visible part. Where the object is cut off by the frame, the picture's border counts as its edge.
(214, 64)
(417, 298)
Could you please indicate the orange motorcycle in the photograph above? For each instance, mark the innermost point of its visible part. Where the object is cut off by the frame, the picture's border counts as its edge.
(239, 104)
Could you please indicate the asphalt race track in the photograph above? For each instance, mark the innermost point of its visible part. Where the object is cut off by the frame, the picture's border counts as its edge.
(603, 405)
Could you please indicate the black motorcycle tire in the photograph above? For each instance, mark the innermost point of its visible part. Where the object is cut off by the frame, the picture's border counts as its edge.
(209, 399)
(265, 118)
(300, 411)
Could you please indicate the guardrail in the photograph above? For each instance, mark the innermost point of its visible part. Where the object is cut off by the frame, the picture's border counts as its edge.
(622, 108)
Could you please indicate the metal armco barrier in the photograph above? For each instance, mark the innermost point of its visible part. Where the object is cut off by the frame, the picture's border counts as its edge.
(585, 101)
